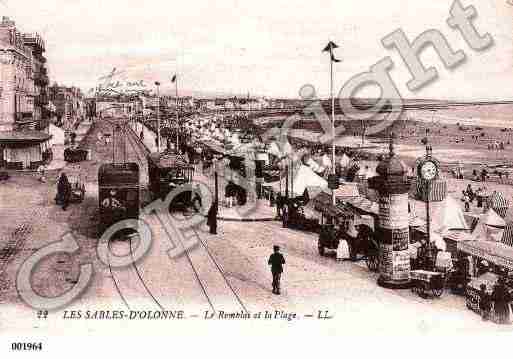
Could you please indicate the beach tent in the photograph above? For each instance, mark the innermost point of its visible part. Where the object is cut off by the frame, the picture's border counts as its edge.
(452, 216)
(345, 161)
(305, 177)
(310, 162)
(445, 215)
(325, 161)
(490, 227)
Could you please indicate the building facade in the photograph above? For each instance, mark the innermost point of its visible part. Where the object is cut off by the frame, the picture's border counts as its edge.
(70, 105)
(24, 138)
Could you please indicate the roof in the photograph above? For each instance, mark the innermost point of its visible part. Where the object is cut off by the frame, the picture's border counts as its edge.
(23, 136)
(322, 203)
(494, 252)
(363, 204)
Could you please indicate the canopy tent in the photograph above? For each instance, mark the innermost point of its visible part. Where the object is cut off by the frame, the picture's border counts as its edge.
(344, 161)
(445, 215)
(325, 161)
(490, 227)
(305, 177)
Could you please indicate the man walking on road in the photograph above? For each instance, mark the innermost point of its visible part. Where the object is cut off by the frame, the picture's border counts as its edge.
(276, 261)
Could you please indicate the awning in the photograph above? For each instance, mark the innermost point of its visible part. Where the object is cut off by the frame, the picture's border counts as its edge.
(323, 203)
(363, 204)
(21, 137)
(493, 252)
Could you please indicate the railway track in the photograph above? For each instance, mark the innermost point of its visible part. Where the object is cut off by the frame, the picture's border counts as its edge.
(174, 246)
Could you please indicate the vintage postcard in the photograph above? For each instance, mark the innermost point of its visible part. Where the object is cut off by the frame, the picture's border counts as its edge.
(338, 173)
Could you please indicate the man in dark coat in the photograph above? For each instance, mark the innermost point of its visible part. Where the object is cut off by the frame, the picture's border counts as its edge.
(212, 218)
(484, 302)
(63, 191)
(276, 261)
(501, 299)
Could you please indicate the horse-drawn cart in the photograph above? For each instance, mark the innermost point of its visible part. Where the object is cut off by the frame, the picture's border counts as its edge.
(426, 282)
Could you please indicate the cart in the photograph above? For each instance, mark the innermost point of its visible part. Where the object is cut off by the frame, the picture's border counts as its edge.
(77, 190)
(425, 282)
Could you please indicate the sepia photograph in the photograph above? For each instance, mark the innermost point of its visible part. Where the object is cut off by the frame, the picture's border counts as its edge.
(331, 173)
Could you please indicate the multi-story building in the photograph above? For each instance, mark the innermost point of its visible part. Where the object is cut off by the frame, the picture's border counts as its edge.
(69, 105)
(24, 138)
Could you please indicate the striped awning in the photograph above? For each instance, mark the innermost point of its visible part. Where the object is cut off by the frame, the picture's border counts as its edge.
(437, 190)
(507, 236)
(498, 203)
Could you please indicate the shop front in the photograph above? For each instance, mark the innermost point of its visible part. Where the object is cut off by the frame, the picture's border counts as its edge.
(488, 262)
(24, 150)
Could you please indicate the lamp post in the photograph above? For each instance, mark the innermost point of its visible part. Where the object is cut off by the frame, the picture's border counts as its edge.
(158, 115)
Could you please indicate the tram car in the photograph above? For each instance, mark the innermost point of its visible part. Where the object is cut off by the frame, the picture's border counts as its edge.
(118, 185)
(166, 172)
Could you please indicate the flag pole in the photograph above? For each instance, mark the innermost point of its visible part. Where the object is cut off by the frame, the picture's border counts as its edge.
(332, 126)
(176, 95)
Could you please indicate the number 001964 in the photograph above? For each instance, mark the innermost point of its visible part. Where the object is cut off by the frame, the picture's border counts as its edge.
(27, 346)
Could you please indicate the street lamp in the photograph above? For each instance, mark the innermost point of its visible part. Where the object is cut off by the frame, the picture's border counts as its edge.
(158, 115)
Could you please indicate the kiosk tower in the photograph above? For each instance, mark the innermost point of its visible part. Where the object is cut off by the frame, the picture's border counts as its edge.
(393, 224)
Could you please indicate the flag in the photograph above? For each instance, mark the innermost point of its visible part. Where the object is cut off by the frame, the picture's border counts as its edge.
(329, 48)
(333, 58)
(173, 79)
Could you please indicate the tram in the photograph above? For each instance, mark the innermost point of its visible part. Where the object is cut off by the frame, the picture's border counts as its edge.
(166, 172)
(118, 185)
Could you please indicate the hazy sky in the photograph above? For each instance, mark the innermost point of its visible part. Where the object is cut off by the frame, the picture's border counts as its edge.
(265, 47)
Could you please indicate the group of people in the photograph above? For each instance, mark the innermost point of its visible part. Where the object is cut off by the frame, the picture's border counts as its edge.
(500, 298)
(469, 195)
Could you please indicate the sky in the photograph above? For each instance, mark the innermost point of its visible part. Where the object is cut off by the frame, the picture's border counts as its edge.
(265, 47)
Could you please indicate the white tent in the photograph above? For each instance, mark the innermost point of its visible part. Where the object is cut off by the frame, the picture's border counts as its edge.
(344, 161)
(445, 215)
(313, 165)
(326, 161)
(304, 177)
(452, 216)
(490, 227)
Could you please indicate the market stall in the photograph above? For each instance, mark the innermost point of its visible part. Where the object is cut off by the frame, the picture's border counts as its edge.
(498, 259)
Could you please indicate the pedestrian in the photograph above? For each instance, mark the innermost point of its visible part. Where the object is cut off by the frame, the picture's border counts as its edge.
(470, 193)
(276, 261)
(212, 217)
(466, 200)
(279, 205)
(63, 191)
(484, 174)
(484, 302)
(501, 299)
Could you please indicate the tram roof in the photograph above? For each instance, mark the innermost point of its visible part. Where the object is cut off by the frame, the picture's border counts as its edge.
(166, 160)
(118, 173)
